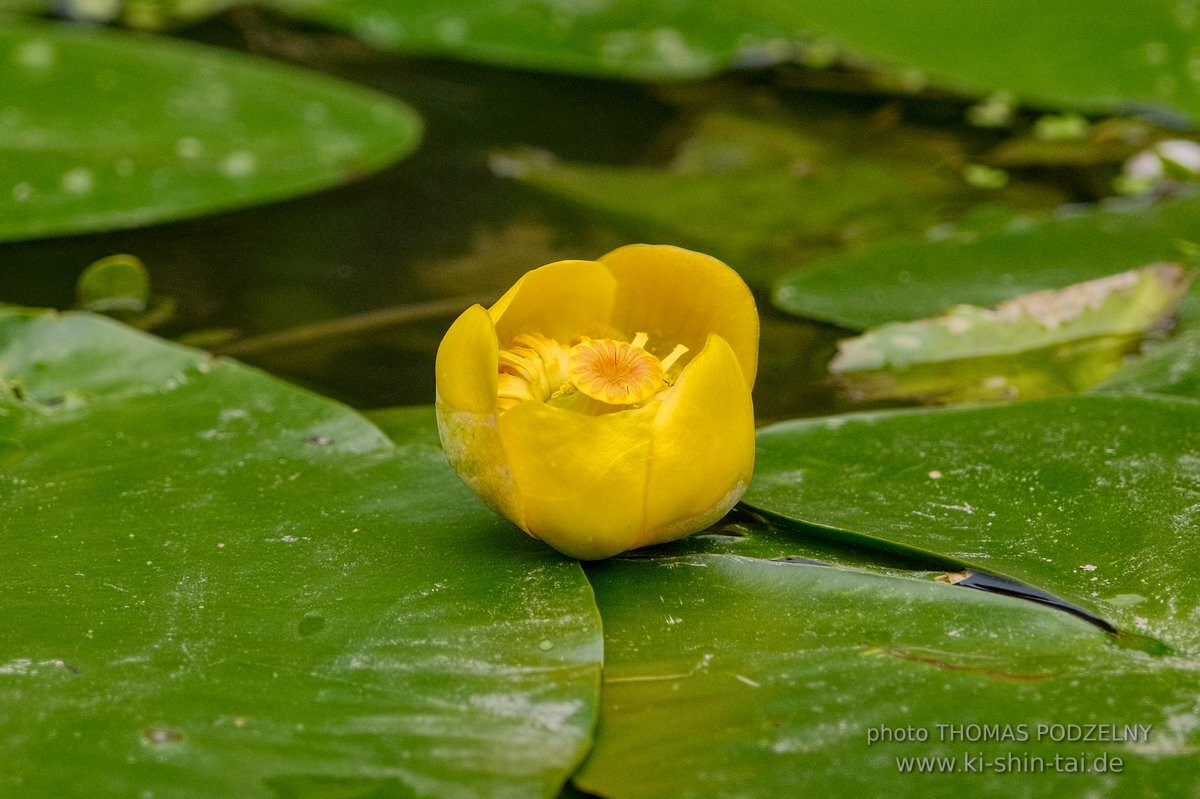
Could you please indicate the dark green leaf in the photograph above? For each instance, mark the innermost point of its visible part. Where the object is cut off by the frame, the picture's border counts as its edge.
(1093, 499)
(1065, 54)
(732, 677)
(626, 38)
(920, 278)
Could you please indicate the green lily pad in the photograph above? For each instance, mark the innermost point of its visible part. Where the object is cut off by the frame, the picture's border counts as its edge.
(727, 677)
(21, 7)
(221, 585)
(1092, 499)
(1063, 55)
(766, 191)
(1067, 54)
(919, 278)
(104, 130)
(619, 38)
(1172, 368)
(1053, 342)
(1129, 56)
(746, 536)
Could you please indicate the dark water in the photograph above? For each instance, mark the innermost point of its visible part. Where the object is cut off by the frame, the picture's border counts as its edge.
(438, 225)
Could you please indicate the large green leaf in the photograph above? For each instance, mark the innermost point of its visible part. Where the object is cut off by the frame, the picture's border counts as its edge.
(104, 130)
(731, 677)
(220, 585)
(919, 278)
(658, 40)
(1067, 53)
(1094, 499)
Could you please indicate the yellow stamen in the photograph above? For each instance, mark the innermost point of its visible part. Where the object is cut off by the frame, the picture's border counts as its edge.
(531, 367)
(615, 372)
(675, 355)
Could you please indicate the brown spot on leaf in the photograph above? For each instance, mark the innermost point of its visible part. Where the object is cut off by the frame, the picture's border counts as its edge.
(951, 578)
(936, 662)
(161, 735)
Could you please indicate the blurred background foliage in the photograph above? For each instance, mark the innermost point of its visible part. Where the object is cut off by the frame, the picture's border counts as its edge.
(774, 135)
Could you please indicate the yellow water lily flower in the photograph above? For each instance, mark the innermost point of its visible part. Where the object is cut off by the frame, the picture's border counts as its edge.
(605, 405)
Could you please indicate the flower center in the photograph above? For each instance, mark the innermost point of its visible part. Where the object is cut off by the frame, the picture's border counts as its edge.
(614, 373)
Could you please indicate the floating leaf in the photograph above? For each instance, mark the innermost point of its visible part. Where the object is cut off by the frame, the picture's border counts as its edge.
(144, 14)
(1134, 54)
(623, 38)
(1137, 55)
(919, 278)
(818, 680)
(1052, 342)
(1092, 499)
(1131, 56)
(1107, 142)
(105, 130)
(220, 585)
(1169, 368)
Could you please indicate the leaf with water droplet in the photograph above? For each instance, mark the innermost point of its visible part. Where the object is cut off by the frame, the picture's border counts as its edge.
(624, 38)
(103, 130)
(194, 584)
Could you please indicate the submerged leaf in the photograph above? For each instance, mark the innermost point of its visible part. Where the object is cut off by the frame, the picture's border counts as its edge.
(765, 191)
(1040, 344)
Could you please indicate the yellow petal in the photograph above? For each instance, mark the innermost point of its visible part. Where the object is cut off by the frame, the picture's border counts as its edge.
(679, 297)
(561, 300)
(703, 448)
(582, 479)
(466, 410)
(467, 359)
